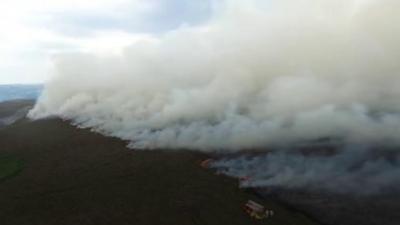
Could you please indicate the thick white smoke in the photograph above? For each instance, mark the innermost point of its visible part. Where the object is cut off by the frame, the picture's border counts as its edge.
(257, 75)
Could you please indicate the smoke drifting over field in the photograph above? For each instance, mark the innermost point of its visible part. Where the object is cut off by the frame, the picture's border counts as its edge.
(358, 169)
(257, 75)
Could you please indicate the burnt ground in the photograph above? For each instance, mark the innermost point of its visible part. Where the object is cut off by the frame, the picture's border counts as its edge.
(73, 176)
(340, 209)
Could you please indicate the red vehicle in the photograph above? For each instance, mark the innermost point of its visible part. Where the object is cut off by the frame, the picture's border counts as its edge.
(257, 211)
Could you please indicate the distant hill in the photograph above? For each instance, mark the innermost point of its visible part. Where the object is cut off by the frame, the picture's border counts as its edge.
(11, 111)
(11, 92)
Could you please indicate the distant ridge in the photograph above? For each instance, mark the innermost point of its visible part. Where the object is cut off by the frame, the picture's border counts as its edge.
(19, 91)
(13, 110)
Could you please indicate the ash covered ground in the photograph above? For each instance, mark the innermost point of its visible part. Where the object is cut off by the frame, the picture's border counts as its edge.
(312, 178)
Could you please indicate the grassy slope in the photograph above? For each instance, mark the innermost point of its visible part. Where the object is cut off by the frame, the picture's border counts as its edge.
(76, 177)
(9, 166)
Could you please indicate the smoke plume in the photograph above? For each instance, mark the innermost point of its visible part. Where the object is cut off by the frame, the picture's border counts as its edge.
(258, 74)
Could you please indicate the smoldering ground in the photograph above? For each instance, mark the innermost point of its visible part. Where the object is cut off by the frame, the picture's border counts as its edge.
(256, 75)
(360, 170)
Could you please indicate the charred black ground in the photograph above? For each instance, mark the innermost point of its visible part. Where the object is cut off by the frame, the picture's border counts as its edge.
(74, 176)
(66, 175)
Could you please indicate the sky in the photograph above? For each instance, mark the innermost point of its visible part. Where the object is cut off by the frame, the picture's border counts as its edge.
(34, 32)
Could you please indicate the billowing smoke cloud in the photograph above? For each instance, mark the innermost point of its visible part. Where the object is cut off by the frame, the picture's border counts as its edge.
(259, 74)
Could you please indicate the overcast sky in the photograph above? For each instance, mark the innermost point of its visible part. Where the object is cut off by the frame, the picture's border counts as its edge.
(33, 31)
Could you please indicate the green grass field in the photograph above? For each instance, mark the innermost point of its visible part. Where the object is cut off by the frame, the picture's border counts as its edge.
(9, 166)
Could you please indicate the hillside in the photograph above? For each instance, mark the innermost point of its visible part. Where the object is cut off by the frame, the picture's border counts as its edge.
(73, 176)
